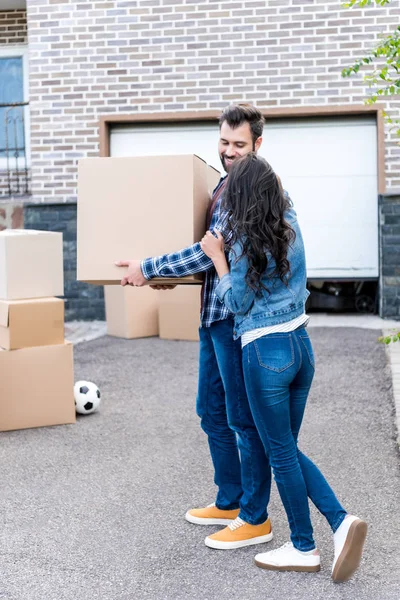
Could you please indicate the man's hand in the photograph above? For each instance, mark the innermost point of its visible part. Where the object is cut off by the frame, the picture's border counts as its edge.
(134, 275)
(213, 246)
(158, 286)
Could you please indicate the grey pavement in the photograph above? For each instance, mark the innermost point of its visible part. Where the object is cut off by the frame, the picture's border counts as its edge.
(95, 510)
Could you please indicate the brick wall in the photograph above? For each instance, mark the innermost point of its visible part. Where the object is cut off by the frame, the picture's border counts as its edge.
(94, 57)
(389, 283)
(18, 181)
(13, 27)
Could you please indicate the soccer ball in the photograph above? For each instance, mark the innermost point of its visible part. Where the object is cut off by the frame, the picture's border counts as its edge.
(87, 397)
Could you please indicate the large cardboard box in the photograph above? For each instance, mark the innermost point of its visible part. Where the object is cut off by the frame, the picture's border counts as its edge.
(36, 387)
(136, 207)
(179, 313)
(31, 264)
(34, 322)
(131, 312)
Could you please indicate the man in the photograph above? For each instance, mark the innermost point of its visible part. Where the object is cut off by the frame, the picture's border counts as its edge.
(243, 483)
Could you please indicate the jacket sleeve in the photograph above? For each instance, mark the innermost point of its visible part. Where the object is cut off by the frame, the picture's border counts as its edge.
(233, 290)
(188, 261)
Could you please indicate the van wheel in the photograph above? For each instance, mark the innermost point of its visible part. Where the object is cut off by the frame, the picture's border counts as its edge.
(364, 304)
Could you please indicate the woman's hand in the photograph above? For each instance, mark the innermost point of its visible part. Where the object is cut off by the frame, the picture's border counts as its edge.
(213, 246)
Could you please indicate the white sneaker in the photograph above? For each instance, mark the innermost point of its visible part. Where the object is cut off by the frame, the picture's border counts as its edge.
(288, 558)
(349, 542)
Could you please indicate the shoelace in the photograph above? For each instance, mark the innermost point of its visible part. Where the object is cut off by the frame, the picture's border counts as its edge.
(236, 524)
(283, 548)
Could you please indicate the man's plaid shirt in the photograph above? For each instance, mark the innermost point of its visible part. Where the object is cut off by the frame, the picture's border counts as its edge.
(193, 260)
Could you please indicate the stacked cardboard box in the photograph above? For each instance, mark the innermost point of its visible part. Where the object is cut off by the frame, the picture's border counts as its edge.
(36, 363)
(142, 312)
(179, 313)
(131, 312)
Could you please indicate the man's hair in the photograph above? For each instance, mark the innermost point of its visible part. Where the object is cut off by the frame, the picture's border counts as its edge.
(237, 114)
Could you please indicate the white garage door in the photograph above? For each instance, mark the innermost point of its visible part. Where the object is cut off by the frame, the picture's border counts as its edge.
(328, 166)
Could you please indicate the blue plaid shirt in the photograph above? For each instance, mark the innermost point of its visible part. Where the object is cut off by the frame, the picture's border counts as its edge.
(193, 260)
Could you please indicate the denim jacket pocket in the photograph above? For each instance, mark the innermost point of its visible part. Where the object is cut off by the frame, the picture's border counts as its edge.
(275, 352)
(305, 340)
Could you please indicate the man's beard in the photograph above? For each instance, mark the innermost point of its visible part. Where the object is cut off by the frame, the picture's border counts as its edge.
(222, 159)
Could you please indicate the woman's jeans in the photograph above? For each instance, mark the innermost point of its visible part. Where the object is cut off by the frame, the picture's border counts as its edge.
(278, 372)
(226, 418)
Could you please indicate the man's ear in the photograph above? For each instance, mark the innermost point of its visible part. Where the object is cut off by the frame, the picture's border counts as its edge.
(257, 144)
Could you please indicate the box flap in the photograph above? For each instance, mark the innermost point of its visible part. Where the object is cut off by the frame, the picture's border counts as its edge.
(82, 161)
(4, 313)
(45, 300)
(19, 232)
(13, 308)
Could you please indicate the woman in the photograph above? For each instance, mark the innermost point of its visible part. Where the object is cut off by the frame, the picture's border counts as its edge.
(264, 285)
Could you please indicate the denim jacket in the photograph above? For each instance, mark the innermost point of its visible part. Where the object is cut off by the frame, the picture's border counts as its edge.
(281, 303)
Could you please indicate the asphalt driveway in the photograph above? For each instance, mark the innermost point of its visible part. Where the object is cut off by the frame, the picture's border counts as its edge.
(95, 510)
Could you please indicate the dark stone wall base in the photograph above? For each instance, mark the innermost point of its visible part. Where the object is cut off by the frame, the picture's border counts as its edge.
(84, 302)
(389, 247)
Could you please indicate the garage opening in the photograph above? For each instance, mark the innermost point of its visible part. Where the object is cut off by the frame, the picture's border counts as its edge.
(329, 167)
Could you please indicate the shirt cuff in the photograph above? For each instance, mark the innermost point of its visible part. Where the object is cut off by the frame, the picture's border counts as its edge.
(149, 268)
(225, 283)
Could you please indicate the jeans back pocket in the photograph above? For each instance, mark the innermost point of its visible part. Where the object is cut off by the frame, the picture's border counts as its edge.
(275, 352)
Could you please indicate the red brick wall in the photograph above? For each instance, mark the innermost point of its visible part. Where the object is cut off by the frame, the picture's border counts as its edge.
(11, 216)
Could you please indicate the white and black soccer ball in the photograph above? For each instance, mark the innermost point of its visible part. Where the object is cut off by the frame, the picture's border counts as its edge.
(87, 397)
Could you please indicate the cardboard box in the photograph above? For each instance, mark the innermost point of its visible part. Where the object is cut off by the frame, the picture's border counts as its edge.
(36, 387)
(131, 312)
(136, 207)
(35, 322)
(31, 264)
(179, 313)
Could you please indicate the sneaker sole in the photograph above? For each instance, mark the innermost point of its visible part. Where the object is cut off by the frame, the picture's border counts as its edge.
(350, 557)
(217, 545)
(202, 521)
(297, 568)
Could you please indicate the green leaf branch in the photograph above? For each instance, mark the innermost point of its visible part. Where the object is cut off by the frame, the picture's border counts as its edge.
(384, 78)
(388, 339)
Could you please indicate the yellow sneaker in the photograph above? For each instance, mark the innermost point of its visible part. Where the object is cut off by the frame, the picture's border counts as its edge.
(211, 515)
(238, 534)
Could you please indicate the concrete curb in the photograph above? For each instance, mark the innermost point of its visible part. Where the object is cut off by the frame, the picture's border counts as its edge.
(84, 331)
(393, 354)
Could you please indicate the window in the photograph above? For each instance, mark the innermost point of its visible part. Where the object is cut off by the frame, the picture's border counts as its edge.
(14, 113)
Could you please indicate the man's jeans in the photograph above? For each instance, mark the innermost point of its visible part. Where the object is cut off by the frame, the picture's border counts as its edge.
(226, 418)
(278, 371)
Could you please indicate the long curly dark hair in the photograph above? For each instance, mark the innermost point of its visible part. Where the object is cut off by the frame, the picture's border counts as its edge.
(255, 203)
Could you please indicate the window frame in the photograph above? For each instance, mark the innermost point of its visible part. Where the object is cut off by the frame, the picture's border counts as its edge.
(20, 51)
